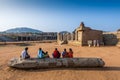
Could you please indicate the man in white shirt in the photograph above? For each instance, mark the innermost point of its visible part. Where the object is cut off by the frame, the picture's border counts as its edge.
(24, 54)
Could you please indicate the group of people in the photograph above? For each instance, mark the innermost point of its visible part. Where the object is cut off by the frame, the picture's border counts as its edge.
(93, 43)
(42, 54)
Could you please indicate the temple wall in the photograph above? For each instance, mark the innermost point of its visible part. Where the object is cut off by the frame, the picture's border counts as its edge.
(91, 35)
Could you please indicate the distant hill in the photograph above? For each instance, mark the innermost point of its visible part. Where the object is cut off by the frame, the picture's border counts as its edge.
(22, 30)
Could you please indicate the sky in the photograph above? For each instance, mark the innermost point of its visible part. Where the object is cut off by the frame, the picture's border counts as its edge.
(60, 15)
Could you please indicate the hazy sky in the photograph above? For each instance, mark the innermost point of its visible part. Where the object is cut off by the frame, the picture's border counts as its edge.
(60, 15)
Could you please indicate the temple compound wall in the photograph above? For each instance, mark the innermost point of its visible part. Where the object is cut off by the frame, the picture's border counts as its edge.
(81, 36)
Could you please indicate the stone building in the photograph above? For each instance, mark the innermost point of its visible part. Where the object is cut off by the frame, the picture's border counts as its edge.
(81, 36)
(37, 37)
(28, 36)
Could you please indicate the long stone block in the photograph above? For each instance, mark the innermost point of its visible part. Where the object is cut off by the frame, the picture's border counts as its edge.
(55, 63)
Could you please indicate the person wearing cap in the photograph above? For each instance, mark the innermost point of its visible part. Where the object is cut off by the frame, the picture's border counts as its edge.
(65, 54)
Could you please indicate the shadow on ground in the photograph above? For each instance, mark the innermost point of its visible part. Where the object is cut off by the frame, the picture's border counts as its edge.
(76, 69)
(24, 44)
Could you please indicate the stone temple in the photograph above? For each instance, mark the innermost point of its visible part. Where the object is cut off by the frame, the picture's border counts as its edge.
(80, 36)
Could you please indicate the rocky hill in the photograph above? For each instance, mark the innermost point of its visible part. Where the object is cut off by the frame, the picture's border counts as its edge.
(22, 30)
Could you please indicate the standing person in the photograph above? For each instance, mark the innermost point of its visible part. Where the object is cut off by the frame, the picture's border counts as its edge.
(89, 43)
(94, 43)
(40, 53)
(24, 54)
(98, 44)
(70, 53)
(56, 53)
(65, 54)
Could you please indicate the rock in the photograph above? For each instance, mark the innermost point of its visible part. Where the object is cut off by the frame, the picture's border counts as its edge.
(55, 63)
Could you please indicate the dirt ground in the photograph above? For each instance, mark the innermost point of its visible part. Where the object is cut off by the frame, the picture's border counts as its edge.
(110, 54)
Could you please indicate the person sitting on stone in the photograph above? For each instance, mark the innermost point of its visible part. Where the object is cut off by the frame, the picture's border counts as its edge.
(65, 54)
(40, 53)
(70, 53)
(56, 53)
(46, 55)
(24, 54)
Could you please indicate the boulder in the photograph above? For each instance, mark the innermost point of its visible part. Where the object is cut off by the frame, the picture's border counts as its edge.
(55, 63)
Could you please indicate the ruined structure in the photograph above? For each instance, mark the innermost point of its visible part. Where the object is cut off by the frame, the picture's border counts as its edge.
(118, 37)
(111, 38)
(28, 36)
(80, 36)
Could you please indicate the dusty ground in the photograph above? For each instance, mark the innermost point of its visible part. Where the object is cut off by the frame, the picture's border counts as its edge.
(111, 56)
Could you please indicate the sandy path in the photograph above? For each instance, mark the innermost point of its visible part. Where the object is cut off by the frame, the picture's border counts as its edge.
(111, 55)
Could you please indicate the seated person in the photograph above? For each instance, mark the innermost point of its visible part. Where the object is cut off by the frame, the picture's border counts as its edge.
(40, 53)
(24, 54)
(46, 55)
(65, 54)
(56, 54)
(70, 53)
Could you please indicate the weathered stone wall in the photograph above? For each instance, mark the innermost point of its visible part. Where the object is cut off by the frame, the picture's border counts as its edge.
(118, 37)
(31, 36)
(110, 38)
(92, 35)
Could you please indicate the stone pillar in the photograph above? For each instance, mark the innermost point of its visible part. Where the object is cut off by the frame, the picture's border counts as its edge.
(17, 38)
(76, 36)
(58, 36)
(71, 36)
(26, 38)
(21, 38)
(67, 35)
(30, 38)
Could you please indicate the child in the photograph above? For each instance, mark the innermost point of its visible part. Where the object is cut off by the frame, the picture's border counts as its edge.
(46, 55)
(65, 54)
